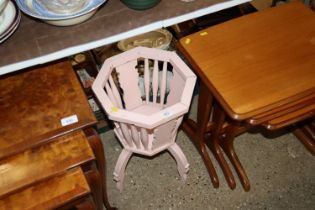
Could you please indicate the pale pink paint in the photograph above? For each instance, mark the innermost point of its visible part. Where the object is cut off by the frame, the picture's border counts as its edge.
(146, 123)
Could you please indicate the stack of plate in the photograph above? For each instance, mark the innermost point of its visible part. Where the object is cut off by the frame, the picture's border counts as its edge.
(60, 12)
(10, 20)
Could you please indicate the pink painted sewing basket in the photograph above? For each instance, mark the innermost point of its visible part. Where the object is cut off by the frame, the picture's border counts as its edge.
(145, 92)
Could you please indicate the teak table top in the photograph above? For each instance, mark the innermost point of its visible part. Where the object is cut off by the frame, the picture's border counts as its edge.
(32, 104)
(249, 77)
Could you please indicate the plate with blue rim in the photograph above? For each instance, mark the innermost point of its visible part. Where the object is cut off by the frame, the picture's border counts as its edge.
(10, 22)
(35, 9)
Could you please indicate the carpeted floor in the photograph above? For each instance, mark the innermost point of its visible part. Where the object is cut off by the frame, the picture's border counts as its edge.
(281, 171)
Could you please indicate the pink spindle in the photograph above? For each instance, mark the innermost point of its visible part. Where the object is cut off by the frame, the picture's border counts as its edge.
(147, 80)
(163, 84)
(176, 87)
(115, 91)
(145, 138)
(110, 94)
(135, 136)
(126, 134)
(155, 80)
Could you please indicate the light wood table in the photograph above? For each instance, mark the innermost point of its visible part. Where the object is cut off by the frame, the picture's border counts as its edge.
(251, 69)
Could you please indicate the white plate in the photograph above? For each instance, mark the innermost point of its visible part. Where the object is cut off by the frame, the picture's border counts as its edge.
(13, 26)
(12, 29)
(9, 14)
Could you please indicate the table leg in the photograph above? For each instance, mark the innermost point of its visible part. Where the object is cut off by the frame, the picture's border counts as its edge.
(94, 179)
(97, 148)
(197, 131)
(218, 120)
(86, 205)
(306, 136)
(227, 144)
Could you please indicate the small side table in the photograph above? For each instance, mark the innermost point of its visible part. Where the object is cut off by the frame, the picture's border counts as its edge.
(254, 70)
(38, 105)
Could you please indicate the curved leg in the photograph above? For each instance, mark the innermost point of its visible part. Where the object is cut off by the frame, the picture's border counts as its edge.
(213, 144)
(98, 151)
(88, 204)
(306, 139)
(119, 172)
(94, 179)
(182, 163)
(228, 147)
(197, 133)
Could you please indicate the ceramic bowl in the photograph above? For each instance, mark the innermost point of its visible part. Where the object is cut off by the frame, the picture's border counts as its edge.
(159, 39)
(72, 21)
(140, 4)
(45, 13)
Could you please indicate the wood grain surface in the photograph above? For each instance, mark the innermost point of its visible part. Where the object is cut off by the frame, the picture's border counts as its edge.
(257, 62)
(33, 102)
(43, 162)
(291, 118)
(50, 193)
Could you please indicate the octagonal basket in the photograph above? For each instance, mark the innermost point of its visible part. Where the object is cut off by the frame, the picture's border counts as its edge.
(145, 92)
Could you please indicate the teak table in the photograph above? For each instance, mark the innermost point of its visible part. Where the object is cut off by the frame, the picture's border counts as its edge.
(258, 69)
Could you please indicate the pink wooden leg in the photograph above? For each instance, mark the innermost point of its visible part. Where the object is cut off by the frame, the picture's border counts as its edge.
(182, 163)
(119, 172)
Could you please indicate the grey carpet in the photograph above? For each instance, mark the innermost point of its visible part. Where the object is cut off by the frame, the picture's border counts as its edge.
(281, 171)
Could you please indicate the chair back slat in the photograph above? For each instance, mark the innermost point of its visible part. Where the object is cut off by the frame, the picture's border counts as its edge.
(177, 85)
(110, 94)
(155, 80)
(147, 80)
(115, 92)
(163, 84)
(129, 83)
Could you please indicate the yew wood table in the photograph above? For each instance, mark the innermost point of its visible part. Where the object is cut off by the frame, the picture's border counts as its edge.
(46, 173)
(33, 103)
(40, 104)
(258, 69)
